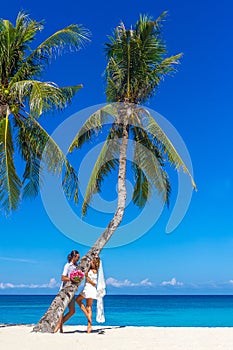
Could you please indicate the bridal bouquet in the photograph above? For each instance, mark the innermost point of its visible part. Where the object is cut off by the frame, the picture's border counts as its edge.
(77, 275)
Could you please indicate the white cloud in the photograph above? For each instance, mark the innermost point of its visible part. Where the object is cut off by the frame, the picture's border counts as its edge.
(28, 261)
(172, 282)
(6, 285)
(126, 283)
(146, 282)
(231, 281)
(51, 284)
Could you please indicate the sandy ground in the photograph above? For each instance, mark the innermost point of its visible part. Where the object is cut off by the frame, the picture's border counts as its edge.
(117, 338)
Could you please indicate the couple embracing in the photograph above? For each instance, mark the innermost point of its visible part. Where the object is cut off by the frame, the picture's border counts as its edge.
(89, 292)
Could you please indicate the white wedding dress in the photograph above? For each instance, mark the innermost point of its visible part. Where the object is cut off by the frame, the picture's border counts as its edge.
(89, 291)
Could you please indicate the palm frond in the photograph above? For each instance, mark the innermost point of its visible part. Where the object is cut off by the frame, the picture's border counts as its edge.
(152, 127)
(70, 183)
(136, 61)
(26, 29)
(34, 142)
(105, 163)
(31, 177)
(142, 190)
(31, 146)
(93, 125)
(167, 65)
(145, 23)
(20, 65)
(14, 43)
(43, 96)
(155, 174)
(73, 37)
(8, 53)
(10, 183)
(149, 159)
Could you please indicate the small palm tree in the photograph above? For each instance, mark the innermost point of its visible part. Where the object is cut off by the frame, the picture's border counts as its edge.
(23, 98)
(136, 65)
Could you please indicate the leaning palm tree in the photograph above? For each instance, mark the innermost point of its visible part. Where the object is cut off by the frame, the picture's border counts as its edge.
(23, 98)
(137, 63)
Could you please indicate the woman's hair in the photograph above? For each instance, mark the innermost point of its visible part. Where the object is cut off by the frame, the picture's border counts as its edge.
(96, 262)
(69, 258)
(73, 253)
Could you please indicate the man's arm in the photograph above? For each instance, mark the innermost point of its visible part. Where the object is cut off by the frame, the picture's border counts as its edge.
(64, 276)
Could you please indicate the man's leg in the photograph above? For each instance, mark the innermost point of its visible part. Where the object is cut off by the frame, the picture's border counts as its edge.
(70, 313)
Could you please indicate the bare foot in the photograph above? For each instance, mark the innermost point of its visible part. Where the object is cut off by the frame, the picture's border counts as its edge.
(89, 328)
(58, 326)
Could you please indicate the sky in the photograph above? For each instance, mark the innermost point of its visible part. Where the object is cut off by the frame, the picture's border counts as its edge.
(196, 258)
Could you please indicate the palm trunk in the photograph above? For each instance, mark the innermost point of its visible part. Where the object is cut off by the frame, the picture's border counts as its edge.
(51, 318)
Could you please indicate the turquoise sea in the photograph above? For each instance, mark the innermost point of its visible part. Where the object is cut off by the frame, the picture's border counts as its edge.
(133, 310)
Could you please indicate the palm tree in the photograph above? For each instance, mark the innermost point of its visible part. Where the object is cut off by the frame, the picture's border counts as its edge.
(23, 98)
(136, 65)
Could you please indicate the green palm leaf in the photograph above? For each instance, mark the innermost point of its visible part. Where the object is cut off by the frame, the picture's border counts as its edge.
(141, 192)
(158, 134)
(93, 125)
(34, 142)
(31, 144)
(43, 96)
(155, 174)
(31, 177)
(70, 183)
(20, 65)
(70, 38)
(10, 183)
(136, 61)
(149, 160)
(26, 29)
(14, 43)
(105, 163)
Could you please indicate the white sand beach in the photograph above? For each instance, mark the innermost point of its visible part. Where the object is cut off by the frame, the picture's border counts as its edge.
(20, 337)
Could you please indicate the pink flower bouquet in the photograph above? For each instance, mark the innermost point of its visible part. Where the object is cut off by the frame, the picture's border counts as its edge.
(77, 275)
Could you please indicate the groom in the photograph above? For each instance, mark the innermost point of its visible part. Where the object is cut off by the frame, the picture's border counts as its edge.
(70, 266)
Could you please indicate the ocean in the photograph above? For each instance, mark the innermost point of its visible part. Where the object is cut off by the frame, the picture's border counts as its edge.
(130, 310)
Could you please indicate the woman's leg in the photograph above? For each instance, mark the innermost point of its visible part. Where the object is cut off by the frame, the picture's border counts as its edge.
(89, 310)
(79, 300)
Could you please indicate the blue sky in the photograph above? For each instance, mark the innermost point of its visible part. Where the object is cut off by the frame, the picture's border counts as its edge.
(197, 257)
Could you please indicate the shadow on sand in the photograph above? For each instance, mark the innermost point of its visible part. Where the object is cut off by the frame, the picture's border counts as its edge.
(15, 324)
(100, 330)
